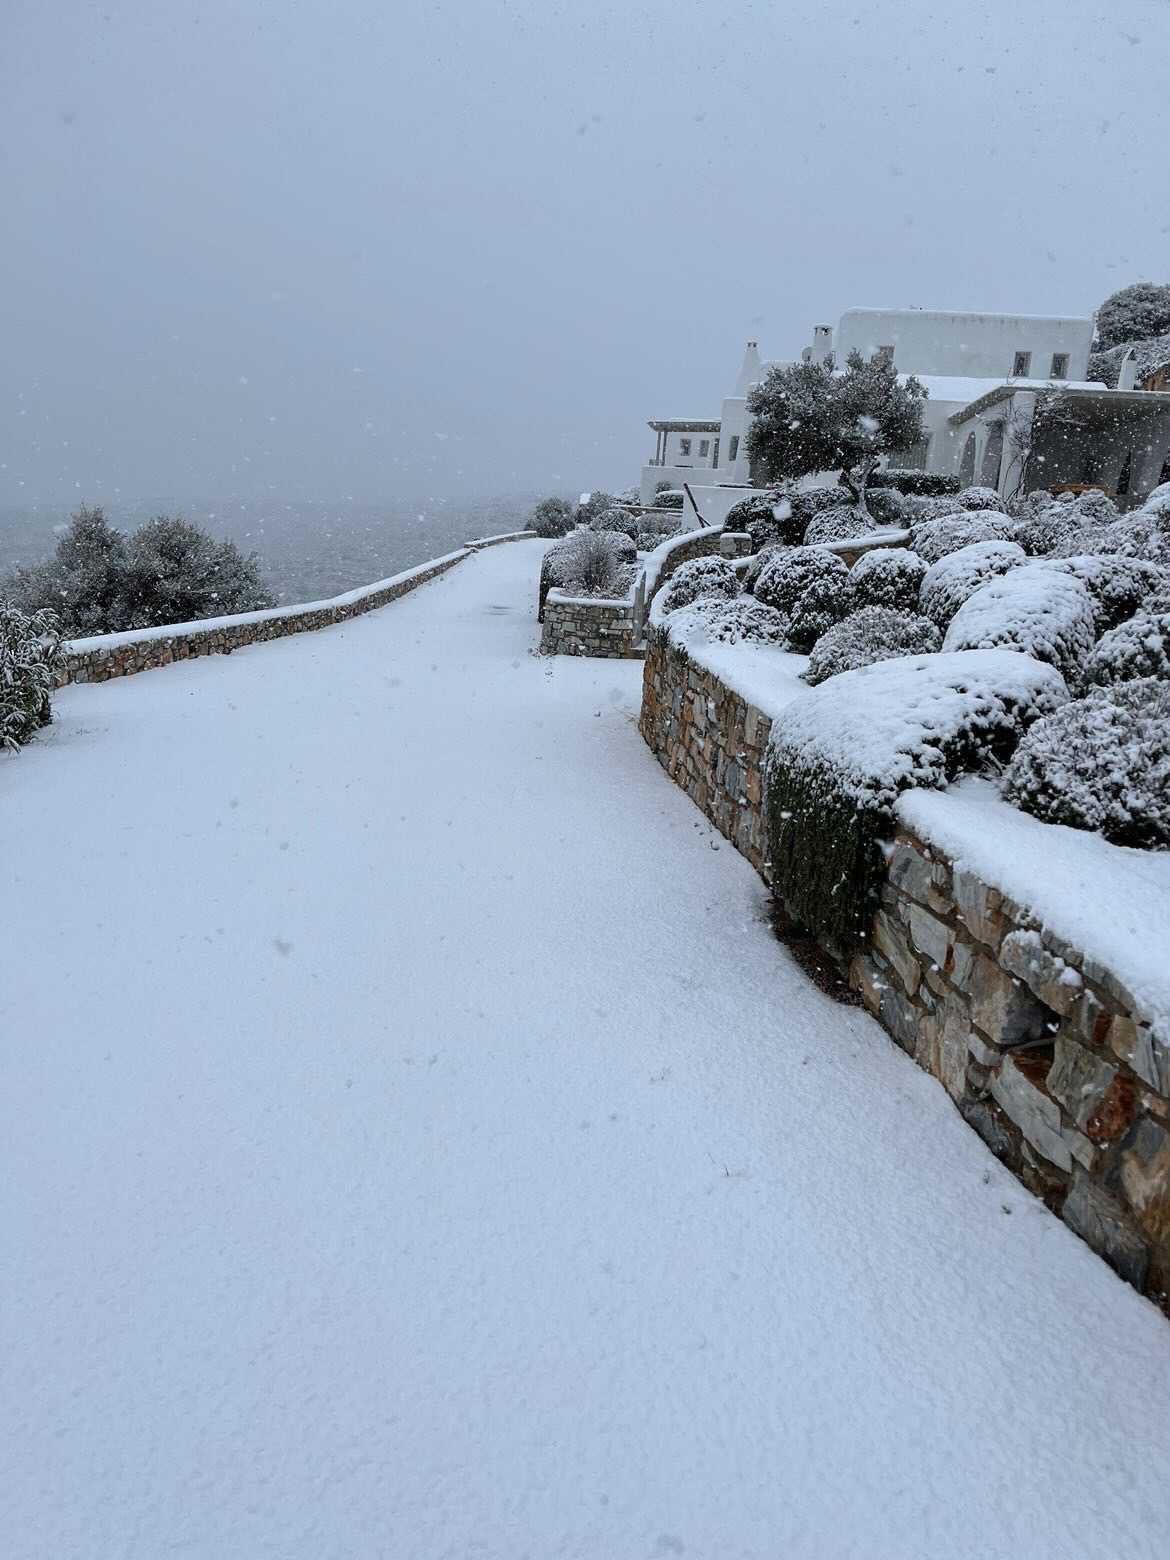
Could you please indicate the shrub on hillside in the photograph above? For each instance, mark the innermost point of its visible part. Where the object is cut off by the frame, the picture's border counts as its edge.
(587, 561)
(1137, 649)
(551, 517)
(790, 571)
(821, 604)
(700, 579)
(1101, 763)
(915, 484)
(1034, 609)
(744, 620)
(873, 634)
(617, 522)
(765, 517)
(837, 525)
(30, 657)
(594, 504)
(84, 582)
(933, 539)
(888, 577)
(758, 562)
(1119, 585)
(668, 498)
(948, 583)
(974, 498)
(887, 507)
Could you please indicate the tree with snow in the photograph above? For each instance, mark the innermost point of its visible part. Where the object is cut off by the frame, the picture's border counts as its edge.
(1134, 313)
(807, 417)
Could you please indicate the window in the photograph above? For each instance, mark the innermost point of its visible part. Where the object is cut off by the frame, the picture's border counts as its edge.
(704, 446)
(733, 447)
(1021, 365)
(1060, 365)
(684, 446)
(886, 354)
(715, 454)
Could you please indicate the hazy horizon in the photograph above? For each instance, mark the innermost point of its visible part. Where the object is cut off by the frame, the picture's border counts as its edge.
(442, 252)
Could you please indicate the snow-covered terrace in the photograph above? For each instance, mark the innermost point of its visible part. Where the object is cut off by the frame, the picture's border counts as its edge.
(418, 1145)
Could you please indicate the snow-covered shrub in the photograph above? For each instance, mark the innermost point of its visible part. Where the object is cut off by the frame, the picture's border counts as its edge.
(551, 517)
(979, 498)
(886, 506)
(822, 603)
(933, 539)
(888, 577)
(698, 579)
(1096, 506)
(1033, 609)
(175, 573)
(837, 525)
(790, 571)
(873, 634)
(758, 562)
(593, 504)
(1158, 505)
(765, 517)
(647, 541)
(948, 583)
(746, 620)
(809, 502)
(669, 498)
(1049, 529)
(30, 657)
(1119, 585)
(1132, 650)
(1101, 763)
(588, 560)
(841, 754)
(914, 484)
(617, 522)
(930, 507)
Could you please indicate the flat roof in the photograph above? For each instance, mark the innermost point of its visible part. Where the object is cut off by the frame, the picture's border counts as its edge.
(1150, 399)
(685, 424)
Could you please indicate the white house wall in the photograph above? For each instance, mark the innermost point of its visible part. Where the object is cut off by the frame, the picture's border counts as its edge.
(965, 345)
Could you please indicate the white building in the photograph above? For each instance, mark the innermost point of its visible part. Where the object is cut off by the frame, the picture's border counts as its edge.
(1008, 406)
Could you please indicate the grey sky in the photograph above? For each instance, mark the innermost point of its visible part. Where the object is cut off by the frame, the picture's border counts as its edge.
(314, 249)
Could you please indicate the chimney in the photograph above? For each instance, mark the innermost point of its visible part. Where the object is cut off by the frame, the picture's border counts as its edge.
(751, 370)
(822, 342)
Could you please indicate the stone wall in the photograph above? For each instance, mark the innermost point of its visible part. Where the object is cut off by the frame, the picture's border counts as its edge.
(1045, 1053)
(585, 625)
(121, 655)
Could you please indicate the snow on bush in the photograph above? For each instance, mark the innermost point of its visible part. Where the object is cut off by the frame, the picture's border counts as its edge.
(1119, 585)
(1034, 609)
(921, 508)
(887, 506)
(1133, 650)
(933, 539)
(841, 754)
(888, 577)
(698, 579)
(837, 525)
(873, 634)
(979, 498)
(551, 517)
(812, 586)
(948, 583)
(669, 498)
(822, 604)
(616, 522)
(589, 561)
(30, 657)
(746, 620)
(1158, 505)
(765, 517)
(1101, 763)
(759, 562)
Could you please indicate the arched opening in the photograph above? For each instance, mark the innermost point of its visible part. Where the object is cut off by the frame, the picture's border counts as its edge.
(992, 458)
(967, 464)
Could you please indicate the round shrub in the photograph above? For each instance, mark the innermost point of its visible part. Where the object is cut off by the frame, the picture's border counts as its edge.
(589, 560)
(811, 501)
(1097, 506)
(1139, 648)
(886, 505)
(933, 539)
(921, 509)
(823, 603)
(1101, 763)
(551, 517)
(668, 498)
(699, 579)
(978, 498)
(617, 522)
(888, 577)
(948, 583)
(1119, 585)
(759, 561)
(789, 573)
(748, 621)
(766, 517)
(873, 634)
(837, 525)
(1034, 609)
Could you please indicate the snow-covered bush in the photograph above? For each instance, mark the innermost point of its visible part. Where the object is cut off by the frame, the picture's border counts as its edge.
(588, 561)
(1158, 505)
(551, 517)
(979, 498)
(837, 525)
(1133, 313)
(669, 498)
(1034, 609)
(790, 571)
(1046, 529)
(648, 538)
(920, 509)
(1133, 650)
(822, 603)
(758, 562)
(698, 579)
(887, 506)
(746, 620)
(30, 656)
(1119, 585)
(765, 517)
(948, 583)
(1101, 763)
(888, 577)
(594, 504)
(933, 539)
(914, 483)
(1096, 506)
(841, 754)
(617, 522)
(873, 634)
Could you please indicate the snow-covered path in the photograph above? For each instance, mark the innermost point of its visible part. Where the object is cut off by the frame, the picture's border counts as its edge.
(417, 1146)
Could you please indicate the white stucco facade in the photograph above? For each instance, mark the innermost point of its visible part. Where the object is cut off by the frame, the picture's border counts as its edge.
(973, 346)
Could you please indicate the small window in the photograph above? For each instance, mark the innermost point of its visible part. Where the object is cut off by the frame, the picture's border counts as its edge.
(886, 354)
(733, 447)
(1060, 365)
(704, 446)
(684, 446)
(1021, 365)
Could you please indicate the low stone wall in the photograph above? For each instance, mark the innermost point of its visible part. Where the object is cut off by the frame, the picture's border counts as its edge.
(122, 655)
(585, 625)
(1044, 1052)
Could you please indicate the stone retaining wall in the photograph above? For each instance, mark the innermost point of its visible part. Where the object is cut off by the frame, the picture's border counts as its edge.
(584, 625)
(1045, 1053)
(121, 655)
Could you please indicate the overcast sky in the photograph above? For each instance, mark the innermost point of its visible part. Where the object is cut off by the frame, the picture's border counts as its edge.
(319, 248)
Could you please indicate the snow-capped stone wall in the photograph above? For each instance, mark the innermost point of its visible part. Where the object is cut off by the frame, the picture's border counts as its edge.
(1044, 1050)
(103, 656)
(588, 625)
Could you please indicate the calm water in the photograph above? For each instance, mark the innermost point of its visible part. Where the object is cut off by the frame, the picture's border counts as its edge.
(307, 550)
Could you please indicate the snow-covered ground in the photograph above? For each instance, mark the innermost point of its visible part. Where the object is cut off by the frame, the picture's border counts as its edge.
(416, 1145)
